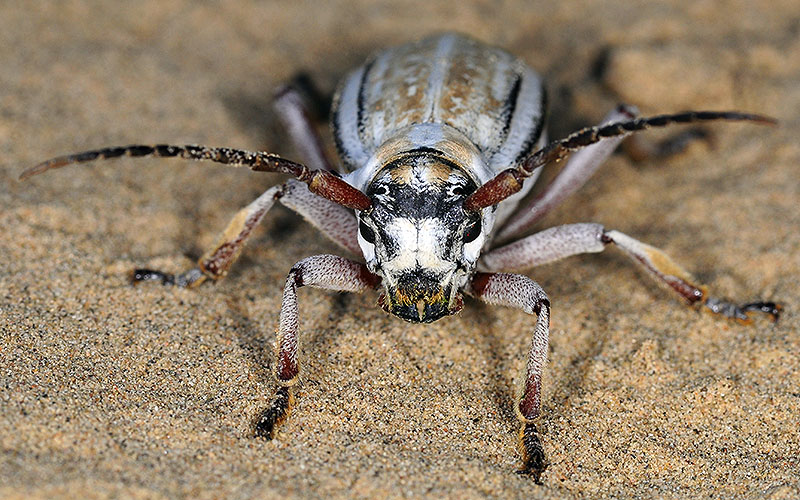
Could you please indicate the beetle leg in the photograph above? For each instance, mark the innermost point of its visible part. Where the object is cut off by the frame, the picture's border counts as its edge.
(320, 271)
(562, 241)
(291, 104)
(523, 293)
(334, 221)
(577, 171)
(665, 270)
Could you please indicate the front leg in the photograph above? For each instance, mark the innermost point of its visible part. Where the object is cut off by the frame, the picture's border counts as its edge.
(216, 262)
(320, 271)
(521, 292)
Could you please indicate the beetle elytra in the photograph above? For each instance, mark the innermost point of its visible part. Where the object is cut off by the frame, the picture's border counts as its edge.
(439, 141)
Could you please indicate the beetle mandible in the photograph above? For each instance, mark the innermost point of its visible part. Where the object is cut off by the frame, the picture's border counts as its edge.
(439, 141)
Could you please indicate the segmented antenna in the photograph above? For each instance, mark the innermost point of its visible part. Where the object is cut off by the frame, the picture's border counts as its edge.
(509, 181)
(320, 182)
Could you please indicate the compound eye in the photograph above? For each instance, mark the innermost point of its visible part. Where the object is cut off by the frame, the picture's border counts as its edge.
(366, 233)
(457, 191)
(473, 230)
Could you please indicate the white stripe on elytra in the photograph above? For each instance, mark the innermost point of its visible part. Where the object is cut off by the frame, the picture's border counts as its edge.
(439, 70)
(347, 118)
(419, 242)
(527, 116)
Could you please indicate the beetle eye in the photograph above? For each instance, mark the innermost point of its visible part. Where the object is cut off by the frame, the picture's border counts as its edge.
(366, 233)
(472, 231)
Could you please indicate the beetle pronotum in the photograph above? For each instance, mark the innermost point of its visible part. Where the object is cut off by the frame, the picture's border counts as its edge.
(439, 142)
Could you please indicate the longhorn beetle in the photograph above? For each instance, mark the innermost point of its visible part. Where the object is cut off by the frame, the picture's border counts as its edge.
(439, 142)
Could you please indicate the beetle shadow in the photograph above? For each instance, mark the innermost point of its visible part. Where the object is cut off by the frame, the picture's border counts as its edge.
(254, 114)
(259, 344)
(500, 389)
(257, 114)
(563, 385)
(570, 381)
(250, 339)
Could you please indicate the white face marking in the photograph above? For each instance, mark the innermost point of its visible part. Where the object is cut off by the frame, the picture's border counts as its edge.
(420, 246)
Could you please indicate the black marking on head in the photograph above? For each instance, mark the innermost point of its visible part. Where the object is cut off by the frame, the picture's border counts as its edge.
(421, 185)
(422, 199)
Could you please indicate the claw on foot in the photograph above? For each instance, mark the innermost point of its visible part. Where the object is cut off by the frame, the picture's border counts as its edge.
(274, 416)
(770, 308)
(534, 461)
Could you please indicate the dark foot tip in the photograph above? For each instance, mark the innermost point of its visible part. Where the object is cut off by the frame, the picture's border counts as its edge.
(534, 462)
(189, 278)
(267, 425)
(534, 466)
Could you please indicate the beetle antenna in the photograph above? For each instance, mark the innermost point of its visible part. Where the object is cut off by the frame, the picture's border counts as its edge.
(510, 180)
(320, 182)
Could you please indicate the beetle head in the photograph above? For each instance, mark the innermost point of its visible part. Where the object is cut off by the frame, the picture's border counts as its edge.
(417, 237)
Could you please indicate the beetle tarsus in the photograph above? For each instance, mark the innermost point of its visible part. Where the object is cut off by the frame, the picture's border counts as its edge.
(742, 313)
(189, 278)
(534, 462)
(275, 415)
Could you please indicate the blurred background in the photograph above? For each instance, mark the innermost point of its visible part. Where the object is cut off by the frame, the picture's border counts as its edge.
(148, 392)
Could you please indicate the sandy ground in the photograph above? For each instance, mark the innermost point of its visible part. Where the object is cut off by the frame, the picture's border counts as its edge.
(113, 391)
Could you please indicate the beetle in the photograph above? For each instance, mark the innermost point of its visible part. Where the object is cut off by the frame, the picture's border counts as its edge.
(439, 143)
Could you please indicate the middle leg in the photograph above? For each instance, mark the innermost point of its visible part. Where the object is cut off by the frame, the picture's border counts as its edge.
(578, 170)
(584, 163)
(334, 221)
(562, 241)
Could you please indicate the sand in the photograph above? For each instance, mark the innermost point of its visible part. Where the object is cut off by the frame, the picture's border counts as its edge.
(111, 391)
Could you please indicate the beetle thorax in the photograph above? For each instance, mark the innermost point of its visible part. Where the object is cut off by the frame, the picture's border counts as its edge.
(417, 237)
